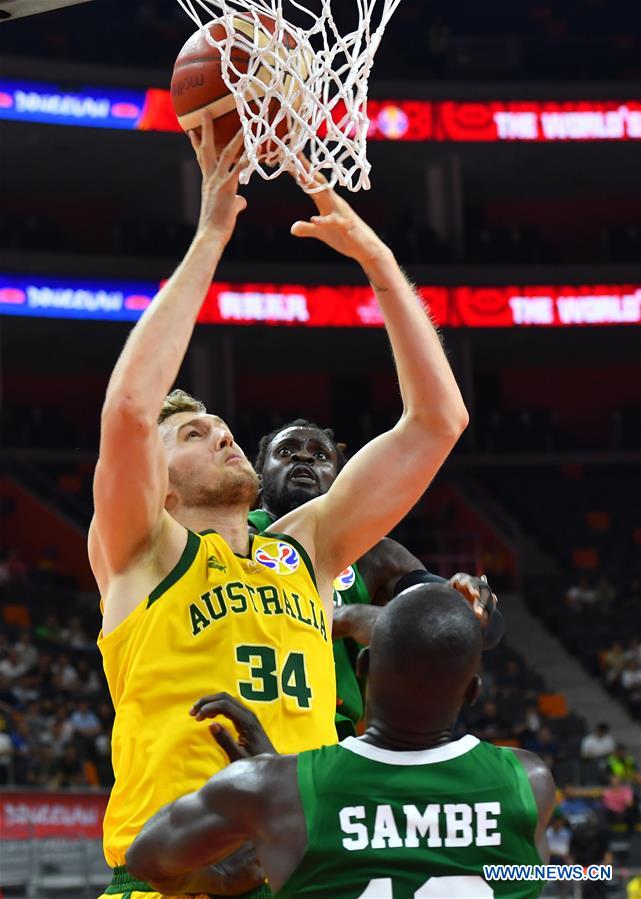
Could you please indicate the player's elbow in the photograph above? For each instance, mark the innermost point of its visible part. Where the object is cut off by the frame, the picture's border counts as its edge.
(140, 862)
(462, 421)
(455, 422)
(446, 424)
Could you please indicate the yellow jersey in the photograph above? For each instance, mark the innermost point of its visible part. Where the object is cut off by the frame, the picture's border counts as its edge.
(254, 627)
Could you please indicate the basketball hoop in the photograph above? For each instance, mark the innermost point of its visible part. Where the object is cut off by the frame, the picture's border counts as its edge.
(316, 84)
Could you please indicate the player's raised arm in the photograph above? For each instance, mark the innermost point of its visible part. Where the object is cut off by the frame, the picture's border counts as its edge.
(381, 483)
(130, 483)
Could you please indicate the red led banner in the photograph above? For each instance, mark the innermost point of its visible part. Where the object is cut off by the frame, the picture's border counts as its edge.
(343, 306)
(25, 816)
(426, 120)
(390, 120)
(494, 307)
(504, 121)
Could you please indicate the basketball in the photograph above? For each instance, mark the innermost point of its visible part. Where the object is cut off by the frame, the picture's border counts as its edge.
(197, 82)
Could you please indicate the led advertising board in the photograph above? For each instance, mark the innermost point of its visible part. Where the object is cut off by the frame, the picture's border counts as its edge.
(324, 306)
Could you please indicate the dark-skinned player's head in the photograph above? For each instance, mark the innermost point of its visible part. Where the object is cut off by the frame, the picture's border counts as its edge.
(423, 660)
(297, 462)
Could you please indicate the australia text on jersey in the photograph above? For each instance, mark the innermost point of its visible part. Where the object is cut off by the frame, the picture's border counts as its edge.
(238, 598)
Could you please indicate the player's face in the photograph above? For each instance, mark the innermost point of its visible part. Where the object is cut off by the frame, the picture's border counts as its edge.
(206, 465)
(300, 464)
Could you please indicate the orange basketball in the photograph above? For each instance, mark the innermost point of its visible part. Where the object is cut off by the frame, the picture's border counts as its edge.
(197, 83)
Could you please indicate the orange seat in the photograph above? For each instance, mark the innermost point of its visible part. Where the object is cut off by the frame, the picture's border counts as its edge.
(598, 521)
(16, 615)
(585, 558)
(91, 774)
(553, 705)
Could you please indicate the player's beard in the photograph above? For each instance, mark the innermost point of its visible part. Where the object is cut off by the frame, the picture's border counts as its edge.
(286, 498)
(233, 487)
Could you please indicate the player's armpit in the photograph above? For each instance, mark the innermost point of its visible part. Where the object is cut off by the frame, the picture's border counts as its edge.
(376, 489)
(383, 566)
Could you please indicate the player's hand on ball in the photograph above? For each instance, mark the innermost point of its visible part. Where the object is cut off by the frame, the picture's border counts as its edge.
(220, 203)
(252, 739)
(337, 224)
(477, 592)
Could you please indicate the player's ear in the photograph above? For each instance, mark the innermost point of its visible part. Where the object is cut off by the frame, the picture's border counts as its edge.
(171, 500)
(473, 690)
(362, 662)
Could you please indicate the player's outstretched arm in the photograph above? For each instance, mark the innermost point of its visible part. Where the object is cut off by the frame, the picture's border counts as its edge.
(131, 481)
(381, 483)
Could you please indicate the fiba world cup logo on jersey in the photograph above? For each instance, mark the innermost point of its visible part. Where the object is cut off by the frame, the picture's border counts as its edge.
(345, 579)
(280, 557)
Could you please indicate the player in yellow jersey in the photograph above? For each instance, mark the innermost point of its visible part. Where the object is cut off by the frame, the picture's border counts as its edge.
(191, 604)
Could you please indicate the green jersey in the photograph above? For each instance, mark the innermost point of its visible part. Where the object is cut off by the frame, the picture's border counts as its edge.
(349, 589)
(413, 825)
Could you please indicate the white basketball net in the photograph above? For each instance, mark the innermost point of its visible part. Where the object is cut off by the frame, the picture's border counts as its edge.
(315, 90)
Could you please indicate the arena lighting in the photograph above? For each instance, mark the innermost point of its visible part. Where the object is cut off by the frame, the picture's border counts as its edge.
(390, 120)
(295, 305)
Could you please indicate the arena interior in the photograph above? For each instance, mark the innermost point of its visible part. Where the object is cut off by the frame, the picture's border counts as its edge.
(505, 177)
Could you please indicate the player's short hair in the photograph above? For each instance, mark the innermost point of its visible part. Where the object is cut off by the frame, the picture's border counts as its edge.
(179, 401)
(427, 632)
(266, 439)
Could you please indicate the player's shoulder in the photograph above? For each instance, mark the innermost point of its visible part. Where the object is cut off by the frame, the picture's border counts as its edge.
(538, 774)
(530, 760)
(299, 520)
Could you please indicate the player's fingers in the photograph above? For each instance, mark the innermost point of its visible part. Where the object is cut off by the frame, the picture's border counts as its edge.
(335, 219)
(226, 742)
(238, 715)
(207, 141)
(194, 139)
(222, 700)
(316, 175)
(324, 201)
(240, 165)
(304, 161)
(210, 710)
(304, 229)
(485, 594)
(230, 154)
(202, 701)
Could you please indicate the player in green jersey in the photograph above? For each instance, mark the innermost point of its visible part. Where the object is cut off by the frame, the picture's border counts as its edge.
(403, 812)
(300, 461)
